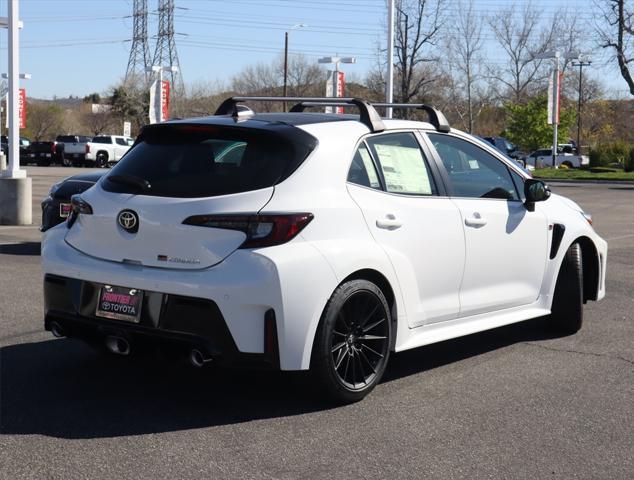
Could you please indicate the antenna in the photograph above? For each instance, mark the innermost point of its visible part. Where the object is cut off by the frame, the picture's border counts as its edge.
(165, 54)
(138, 62)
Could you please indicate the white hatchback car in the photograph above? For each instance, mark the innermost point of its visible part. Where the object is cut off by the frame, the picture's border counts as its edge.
(314, 241)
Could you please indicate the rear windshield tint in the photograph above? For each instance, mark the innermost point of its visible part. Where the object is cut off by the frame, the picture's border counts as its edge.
(67, 138)
(188, 161)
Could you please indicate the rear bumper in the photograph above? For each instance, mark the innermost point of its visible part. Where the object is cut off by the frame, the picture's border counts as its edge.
(172, 322)
(292, 281)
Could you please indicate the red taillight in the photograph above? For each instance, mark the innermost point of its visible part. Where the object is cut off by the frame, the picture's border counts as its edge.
(78, 206)
(87, 148)
(261, 230)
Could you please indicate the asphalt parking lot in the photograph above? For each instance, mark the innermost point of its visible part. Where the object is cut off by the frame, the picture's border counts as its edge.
(515, 402)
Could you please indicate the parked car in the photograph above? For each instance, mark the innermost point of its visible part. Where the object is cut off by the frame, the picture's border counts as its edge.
(318, 241)
(72, 149)
(56, 206)
(25, 145)
(107, 150)
(507, 147)
(544, 158)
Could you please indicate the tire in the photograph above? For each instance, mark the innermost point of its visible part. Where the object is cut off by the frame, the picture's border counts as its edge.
(101, 160)
(352, 343)
(567, 309)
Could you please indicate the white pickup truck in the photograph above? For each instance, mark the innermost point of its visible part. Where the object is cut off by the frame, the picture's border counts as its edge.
(544, 158)
(106, 150)
(71, 149)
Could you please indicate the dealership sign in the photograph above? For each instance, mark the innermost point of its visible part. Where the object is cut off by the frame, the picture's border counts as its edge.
(159, 101)
(335, 87)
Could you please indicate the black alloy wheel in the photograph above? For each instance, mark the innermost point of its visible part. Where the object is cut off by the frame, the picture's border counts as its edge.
(567, 308)
(352, 345)
(101, 160)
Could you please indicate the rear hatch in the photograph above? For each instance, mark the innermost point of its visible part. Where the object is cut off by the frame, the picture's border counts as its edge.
(177, 171)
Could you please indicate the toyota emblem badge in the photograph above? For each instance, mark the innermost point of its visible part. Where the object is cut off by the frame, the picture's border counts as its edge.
(128, 220)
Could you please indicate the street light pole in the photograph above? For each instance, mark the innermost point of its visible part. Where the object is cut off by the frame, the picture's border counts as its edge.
(389, 83)
(580, 64)
(556, 55)
(15, 186)
(13, 134)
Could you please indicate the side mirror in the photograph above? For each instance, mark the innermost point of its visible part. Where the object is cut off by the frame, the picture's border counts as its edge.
(535, 191)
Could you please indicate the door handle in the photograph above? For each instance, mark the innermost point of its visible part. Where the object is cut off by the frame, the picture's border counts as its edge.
(475, 221)
(389, 222)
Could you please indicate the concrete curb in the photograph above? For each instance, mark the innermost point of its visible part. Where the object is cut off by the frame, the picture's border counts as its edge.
(582, 181)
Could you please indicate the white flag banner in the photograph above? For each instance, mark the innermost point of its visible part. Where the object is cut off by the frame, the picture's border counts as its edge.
(155, 102)
(554, 92)
(331, 88)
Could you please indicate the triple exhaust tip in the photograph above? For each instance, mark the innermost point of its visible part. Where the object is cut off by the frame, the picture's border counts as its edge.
(57, 330)
(121, 346)
(117, 345)
(197, 359)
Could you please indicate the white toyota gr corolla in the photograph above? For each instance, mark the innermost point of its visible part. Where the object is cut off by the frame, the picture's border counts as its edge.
(314, 241)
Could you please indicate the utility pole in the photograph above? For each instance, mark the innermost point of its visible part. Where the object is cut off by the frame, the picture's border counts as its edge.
(284, 91)
(581, 63)
(389, 83)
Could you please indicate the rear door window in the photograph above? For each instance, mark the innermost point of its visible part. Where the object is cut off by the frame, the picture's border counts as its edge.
(362, 170)
(190, 161)
(402, 164)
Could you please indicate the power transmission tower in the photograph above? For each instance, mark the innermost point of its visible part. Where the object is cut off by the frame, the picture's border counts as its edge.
(165, 54)
(139, 60)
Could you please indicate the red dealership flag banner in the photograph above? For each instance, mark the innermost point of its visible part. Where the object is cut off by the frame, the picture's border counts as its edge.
(165, 100)
(22, 107)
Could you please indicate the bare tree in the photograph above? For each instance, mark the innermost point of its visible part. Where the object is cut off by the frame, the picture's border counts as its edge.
(465, 45)
(519, 34)
(266, 79)
(417, 29)
(43, 120)
(98, 122)
(617, 34)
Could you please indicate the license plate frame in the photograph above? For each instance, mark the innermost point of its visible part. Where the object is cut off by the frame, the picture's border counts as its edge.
(64, 209)
(119, 303)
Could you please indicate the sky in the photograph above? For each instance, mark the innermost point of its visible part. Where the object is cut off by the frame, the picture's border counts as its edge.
(76, 47)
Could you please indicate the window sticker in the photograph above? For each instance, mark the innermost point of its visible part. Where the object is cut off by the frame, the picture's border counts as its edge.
(473, 164)
(403, 169)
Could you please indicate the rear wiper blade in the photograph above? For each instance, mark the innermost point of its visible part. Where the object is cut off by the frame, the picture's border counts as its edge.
(131, 180)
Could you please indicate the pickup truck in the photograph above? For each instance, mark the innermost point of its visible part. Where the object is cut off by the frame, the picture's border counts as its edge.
(544, 158)
(72, 149)
(106, 150)
(44, 154)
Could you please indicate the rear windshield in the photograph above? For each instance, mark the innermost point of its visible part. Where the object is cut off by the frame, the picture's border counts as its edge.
(189, 161)
(102, 140)
(67, 138)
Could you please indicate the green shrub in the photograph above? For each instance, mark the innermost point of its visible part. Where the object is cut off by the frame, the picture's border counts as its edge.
(618, 152)
(629, 162)
(598, 156)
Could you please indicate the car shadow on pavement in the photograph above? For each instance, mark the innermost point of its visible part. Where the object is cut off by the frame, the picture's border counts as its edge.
(23, 248)
(64, 389)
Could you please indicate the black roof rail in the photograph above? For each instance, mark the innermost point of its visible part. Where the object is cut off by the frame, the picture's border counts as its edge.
(367, 114)
(436, 117)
